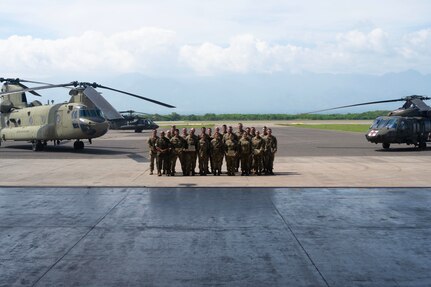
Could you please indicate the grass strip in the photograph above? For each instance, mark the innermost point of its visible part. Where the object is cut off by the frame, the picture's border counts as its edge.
(357, 128)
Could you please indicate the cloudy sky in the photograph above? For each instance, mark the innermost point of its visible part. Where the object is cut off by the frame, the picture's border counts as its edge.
(193, 46)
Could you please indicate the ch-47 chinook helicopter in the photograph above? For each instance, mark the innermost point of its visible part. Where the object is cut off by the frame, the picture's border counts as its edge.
(409, 124)
(133, 120)
(85, 116)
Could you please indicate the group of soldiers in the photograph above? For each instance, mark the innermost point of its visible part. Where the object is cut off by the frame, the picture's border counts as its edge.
(247, 149)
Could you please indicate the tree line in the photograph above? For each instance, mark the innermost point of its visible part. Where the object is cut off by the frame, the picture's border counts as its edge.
(273, 117)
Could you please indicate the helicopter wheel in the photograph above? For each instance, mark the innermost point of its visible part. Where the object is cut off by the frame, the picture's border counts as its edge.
(78, 145)
(37, 146)
(386, 145)
(422, 145)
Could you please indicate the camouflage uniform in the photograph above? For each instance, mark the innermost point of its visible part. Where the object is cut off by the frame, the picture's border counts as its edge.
(231, 149)
(238, 138)
(258, 146)
(163, 146)
(152, 152)
(178, 146)
(270, 150)
(217, 153)
(191, 154)
(203, 153)
(245, 155)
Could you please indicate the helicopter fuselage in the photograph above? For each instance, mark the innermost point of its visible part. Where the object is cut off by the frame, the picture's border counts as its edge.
(400, 130)
(52, 122)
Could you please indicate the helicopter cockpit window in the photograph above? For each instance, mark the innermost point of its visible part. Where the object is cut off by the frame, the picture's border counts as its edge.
(381, 123)
(84, 113)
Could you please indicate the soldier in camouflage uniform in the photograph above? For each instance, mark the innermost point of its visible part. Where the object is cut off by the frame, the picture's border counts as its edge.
(163, 146)
(263, 135)
(191, 154)
(203, 152)
(217, 153)
(245, 154)
(270, 150)
(178, 146)
(231, 150)
(152, 149)
(258, 146)
(253, 132)
(239, 133)
(183, 156)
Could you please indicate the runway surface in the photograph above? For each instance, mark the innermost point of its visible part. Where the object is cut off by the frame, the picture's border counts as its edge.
(305, 158)
(214, 236)
(293, 142)
(102, 220)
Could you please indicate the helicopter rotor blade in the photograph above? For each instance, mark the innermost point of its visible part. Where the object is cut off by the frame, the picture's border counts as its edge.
(39, 88)
(355, 105)
(95, 85)
(31, 92)
(34, 82)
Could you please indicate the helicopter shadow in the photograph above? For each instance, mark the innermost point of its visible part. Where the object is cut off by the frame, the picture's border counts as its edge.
(403, 149)
(286, 173)
(69, 150)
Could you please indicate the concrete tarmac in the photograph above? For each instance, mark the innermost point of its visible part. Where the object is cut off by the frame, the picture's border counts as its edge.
(215, 236)
(97, 218)
(305, 158)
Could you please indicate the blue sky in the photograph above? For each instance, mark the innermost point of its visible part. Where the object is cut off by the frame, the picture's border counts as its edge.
(185, 44)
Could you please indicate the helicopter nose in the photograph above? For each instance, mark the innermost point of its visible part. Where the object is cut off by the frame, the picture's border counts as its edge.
(94, 129)
(373, 133)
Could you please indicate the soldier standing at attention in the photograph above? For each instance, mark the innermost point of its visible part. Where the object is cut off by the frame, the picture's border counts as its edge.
(192, 147)
(184, 133)
(238, 134)
(217, 153)
(253, 132)
(173, 128)
(231, 150)
(245, 154)
(264, 134)
(248, 131)
(223, 130)
(183, 156)
(258, 146)
(178, 146)
(264, 131)
(163, 146)
(152, 149)
(270, 150)
(169, 134)
(203, 152)
(210, 137)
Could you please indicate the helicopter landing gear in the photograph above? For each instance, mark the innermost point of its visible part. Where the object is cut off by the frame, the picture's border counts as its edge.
(422, 145)
(386, 145)
(78, 145)
(37, 145)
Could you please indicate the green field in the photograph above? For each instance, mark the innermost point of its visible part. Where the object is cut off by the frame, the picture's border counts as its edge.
(358, 128)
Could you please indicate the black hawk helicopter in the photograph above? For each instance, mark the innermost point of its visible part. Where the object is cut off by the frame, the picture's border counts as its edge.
(85, 116)
(409, 124)
(133, 120)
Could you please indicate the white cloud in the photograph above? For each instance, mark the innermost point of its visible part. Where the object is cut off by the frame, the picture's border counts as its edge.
(244, 54)
(138, 50)
(156, 51)
(416, 45)
(356, 41)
